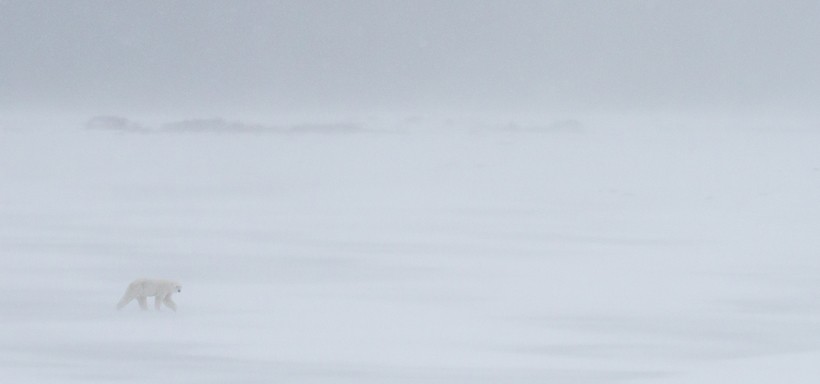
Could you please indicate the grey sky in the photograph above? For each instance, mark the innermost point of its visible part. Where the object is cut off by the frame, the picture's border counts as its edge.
(380, 54)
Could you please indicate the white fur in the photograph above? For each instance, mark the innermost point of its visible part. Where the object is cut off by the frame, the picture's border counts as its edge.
(161, 289)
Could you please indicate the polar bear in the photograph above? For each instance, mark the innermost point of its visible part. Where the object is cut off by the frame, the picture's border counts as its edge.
(161, 289)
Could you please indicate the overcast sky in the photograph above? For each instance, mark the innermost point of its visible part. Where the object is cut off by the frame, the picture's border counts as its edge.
(410, 55)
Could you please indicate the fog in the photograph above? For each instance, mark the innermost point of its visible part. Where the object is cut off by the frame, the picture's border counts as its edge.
(239, 58)
(579, 192)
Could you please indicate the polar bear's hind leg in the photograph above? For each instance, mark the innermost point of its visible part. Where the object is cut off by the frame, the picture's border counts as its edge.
(143, 302)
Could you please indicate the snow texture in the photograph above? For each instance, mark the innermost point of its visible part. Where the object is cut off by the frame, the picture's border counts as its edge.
(574, 251)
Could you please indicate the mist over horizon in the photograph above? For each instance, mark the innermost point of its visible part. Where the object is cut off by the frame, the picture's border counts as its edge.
(268, 57)
(410, 191)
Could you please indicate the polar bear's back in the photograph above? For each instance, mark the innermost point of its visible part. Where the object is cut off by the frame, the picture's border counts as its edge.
(151, 287)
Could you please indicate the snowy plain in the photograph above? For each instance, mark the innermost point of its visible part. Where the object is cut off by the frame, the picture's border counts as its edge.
(443, 251)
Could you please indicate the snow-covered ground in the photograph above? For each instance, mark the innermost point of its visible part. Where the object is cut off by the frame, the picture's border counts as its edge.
(569, 252)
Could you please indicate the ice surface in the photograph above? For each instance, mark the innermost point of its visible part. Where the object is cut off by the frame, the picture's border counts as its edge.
(498, 253)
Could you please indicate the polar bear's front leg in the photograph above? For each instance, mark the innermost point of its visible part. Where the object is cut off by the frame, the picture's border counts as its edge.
(168, 303)
(143, 303)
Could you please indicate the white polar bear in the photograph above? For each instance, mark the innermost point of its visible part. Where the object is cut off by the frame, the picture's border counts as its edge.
(140, 289)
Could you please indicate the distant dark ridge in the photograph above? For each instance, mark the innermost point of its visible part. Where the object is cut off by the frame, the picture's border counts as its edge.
(331, 128)
(217, 125)
(114, 123)
(224, 126)
(560, 126)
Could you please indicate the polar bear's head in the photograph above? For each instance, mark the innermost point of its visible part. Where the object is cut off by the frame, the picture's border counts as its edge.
(178, 287)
